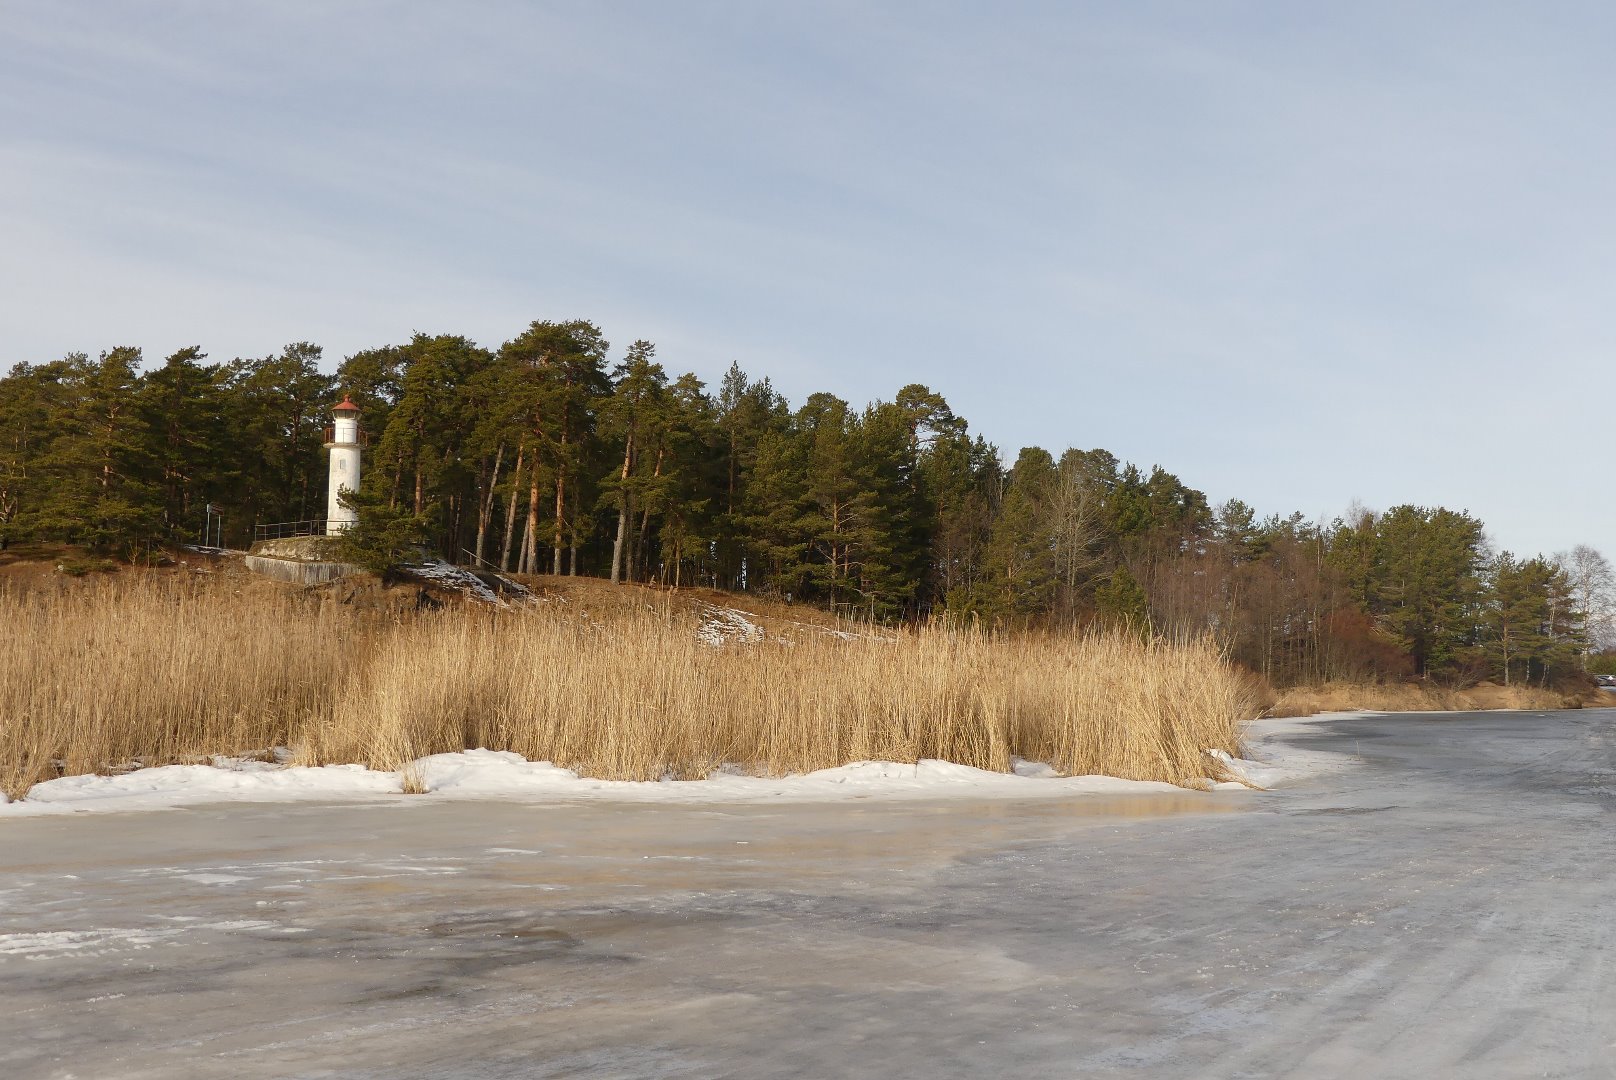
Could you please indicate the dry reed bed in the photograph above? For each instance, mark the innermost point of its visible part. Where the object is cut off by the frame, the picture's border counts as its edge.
(1410, 697)
(113, 672)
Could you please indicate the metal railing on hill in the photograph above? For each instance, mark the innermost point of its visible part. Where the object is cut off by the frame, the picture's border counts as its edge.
(478, 561)
(280, 530)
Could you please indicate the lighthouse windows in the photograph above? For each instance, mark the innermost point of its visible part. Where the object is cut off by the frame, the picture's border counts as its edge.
(342, 464)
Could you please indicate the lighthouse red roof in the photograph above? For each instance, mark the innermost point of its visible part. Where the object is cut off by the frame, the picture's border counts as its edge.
(347, 405)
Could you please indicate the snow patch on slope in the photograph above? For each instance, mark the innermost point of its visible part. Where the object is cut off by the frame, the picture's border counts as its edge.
(724, 626)
(447, 576)
(458, 579)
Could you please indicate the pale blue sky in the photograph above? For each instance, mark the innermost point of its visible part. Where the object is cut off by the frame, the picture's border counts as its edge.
(1296, 253)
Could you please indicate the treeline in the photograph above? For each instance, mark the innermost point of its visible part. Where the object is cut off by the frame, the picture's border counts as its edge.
(544, 456)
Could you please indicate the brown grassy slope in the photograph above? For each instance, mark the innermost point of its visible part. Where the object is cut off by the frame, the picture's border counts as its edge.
(160, 668)
(776, 618)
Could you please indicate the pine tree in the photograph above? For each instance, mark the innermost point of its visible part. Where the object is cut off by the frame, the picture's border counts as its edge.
(34, 401)
(747, 414)
(776, 522)
(1020, 572)
(183, 407)
(691, 478)
(98, 468)
(891, 511)
(632, 415)
(563, 379)
(427, 450)
(1121, 601)
(964, 482)
(1424, 582)
(277, 411)
(387, 535)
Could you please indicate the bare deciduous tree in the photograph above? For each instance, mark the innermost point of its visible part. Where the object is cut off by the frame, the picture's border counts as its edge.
(1074, 510)
(1593, 590)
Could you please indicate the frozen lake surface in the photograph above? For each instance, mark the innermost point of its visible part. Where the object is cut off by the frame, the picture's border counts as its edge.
(1440, 909)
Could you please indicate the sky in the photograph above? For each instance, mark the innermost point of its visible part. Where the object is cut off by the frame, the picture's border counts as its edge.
(1298, 254)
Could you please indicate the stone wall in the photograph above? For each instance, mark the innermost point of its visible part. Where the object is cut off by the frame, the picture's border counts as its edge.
(299, 548)
(300, 571)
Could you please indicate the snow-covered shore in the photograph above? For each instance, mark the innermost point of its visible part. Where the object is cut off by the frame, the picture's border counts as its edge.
(488, 774)
(1274, 757)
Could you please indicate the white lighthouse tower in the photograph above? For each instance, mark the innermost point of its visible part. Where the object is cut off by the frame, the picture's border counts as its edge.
(344, 447)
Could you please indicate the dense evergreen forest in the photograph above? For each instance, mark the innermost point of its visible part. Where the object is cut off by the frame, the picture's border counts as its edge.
(544, 456)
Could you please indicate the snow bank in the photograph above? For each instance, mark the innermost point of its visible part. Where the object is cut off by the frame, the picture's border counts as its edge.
(481, 774)
(227, 780)
(484, 774)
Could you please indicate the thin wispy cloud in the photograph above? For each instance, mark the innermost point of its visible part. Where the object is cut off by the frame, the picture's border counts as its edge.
(1297, 256)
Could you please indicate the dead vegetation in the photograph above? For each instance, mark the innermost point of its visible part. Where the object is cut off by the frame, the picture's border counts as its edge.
(1414, 697)
(159, 669)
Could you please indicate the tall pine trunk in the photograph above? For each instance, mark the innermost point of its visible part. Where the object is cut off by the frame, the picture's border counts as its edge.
(560, 504)
(622, 509)
(572, 535)
(638, 558)
(510, 509)
(530, 545)
(485, 509)
(398, 480)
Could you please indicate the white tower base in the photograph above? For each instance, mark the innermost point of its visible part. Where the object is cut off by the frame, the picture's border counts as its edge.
(344, 468)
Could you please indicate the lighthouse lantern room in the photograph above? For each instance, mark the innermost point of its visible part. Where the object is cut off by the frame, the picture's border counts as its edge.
(344, 468)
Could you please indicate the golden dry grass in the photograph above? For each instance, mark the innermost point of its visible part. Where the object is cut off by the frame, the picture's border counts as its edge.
(1413, 697)
(157, 671)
